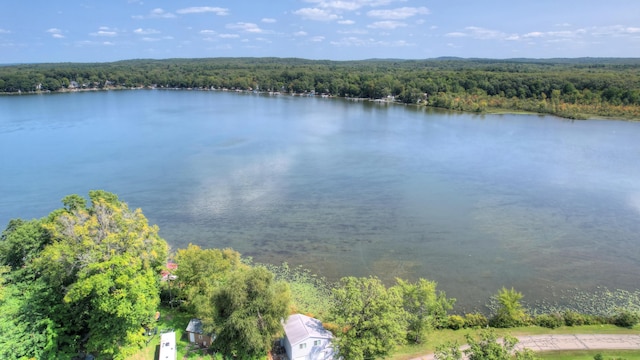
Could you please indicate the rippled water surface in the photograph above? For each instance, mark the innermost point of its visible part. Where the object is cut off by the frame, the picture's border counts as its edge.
(345, 188)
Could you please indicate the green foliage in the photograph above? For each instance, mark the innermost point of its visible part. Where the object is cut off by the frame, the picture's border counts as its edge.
(487, 347)
(569, 88)
(510, 313)
(456, 322)
(200, 272)
(550, 321)
(448, 351)
(21, 242)
(425, 307)
(574, 318)
(626, 318)
(249, 309)
(370, 316)
(82, 279)
(475, 321)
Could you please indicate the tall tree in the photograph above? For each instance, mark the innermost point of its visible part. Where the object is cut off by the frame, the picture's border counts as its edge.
(250, 309)
(425, 307)
(92, 279)
(370, 316)
(200, 272)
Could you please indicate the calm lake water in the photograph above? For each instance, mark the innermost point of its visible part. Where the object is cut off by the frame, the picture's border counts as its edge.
(345, 188)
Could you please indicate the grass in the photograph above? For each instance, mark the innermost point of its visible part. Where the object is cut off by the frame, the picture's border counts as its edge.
(589, 354)
(173, 319)
(441, 337)
(178, 321)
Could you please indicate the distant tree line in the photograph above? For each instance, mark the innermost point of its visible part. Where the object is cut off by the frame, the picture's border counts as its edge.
(571, 88)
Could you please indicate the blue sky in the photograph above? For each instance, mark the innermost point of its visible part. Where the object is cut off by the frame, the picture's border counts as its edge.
(107, 30)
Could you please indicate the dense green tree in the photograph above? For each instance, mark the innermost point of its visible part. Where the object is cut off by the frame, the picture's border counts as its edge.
(370, 318)
(425, 307)
(21, 242)
(510, 311)
(249, 310)
(84, 279)
(200, 272)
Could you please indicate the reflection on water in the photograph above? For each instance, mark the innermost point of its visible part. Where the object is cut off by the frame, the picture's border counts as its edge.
(474, 202)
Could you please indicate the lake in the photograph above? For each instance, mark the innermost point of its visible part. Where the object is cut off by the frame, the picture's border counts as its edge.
(474, 202)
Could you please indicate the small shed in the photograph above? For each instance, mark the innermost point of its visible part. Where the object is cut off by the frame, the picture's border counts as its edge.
(196, 334)
(306, 338)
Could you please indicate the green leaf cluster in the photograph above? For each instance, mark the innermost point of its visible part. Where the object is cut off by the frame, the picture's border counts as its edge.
(82, 280)
(249, 311)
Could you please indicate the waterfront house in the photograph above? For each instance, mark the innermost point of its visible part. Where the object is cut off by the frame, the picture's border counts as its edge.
(306, 338)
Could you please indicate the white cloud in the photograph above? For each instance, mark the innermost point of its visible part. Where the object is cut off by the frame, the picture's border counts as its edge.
(105, 32)
(316, 14)
(484, 34)
(317, 38)
(156, 13)
(141, 31)
(399, 13)
(533, 34)
(108, 43)
(387, 24)
(614, 30)
(229, 36)
(455, 34)
(268, 20)
(300, 33)
(346, 22)
(55, 33)
(354, 32)
(208, 32)
(204, 9)
(151, 39)
(352, 5)
(359, 42)
(246, 27)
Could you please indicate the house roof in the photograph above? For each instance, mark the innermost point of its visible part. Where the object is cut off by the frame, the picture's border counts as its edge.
(195, 326)
(299, 327)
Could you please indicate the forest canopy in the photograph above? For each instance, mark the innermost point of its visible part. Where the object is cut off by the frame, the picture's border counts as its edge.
(573, 88)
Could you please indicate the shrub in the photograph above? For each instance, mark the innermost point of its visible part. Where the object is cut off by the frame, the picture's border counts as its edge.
(510, 312)
(475, 321)
(574, 318)
(456, 322)
(626, 318)
(550, 321)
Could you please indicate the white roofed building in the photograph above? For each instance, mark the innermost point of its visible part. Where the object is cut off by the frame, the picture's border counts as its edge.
(306, 339)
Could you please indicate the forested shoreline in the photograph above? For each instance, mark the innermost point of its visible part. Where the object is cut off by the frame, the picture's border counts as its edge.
(572, 88)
